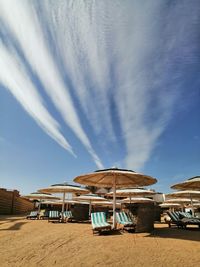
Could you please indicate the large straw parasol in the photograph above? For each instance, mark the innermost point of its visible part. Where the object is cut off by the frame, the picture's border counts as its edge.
(40, 196)
(129, 192)
(64, 188)
(192, 183)
(186, 193)
(90, 198)
(116, 178)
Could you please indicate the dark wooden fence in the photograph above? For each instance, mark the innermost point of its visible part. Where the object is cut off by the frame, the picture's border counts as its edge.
(12, 203)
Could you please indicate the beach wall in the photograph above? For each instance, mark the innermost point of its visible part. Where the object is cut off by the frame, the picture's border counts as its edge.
(12, 203)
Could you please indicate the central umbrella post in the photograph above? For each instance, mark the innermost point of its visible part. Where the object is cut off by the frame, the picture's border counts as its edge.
(114, 202)
(63, 206)
(39, 207)
(192, 205)
(90, 208)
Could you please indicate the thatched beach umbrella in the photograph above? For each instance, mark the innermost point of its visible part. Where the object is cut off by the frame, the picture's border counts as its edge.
(64, 188)
(179, 201)
(137, 200)
(90, 198)
(115, 178)
(187, 194)
(130, 192)
(40, 196)
(60, 202)
(170, 205)
(105, 203)
(190, 184)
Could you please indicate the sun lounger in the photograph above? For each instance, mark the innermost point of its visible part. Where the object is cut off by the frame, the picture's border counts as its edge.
(99, 222)
(54, 216)
(175, 219)
(182, 219)
(67, 215)
(124, 221)
(32, 215)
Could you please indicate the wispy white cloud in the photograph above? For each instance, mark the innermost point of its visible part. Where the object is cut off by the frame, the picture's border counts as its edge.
(14, 77)
(127, 55)
(22, 20)
(108, 49)
(81, 44)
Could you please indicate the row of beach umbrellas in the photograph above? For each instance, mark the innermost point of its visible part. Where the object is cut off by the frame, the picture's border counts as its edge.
(188, 193)
(110, 178)
(119, 178)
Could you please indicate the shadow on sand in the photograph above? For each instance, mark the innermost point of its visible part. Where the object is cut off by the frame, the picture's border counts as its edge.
(10, 218)
(15, 227)
(191, 233)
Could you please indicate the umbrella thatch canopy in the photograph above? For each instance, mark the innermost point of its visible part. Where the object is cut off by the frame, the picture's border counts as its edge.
(105, 203)
(116, 178)
(169, 205)
(180, 200)
(192, 183)
(90, 198)
(186, 193)
(129, 192)
(64, 188)
(60, 202)
(40, 196)
(137, 200)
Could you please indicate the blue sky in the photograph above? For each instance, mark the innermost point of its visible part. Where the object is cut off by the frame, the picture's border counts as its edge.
(92, 84)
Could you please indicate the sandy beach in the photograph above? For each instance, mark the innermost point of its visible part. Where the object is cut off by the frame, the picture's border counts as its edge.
(39, 243)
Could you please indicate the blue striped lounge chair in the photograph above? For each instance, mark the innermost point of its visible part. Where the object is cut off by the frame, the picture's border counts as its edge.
(68, 216)
(54, 216)
(124, 221)
(182, 219)
(175, 219)
(99, 223)
(32, 215)
(188, 219)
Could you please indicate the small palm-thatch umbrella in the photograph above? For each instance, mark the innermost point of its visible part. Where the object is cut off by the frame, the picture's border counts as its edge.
(187, 194)
(190, 184)
(130, 192)
(40, 196)
(64, 188)
(60, 202)
(137, 200)
(116, 178)
(105, 203)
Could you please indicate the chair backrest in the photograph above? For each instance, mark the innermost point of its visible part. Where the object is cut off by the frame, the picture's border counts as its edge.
(173, 215)
(98, 218)
(68, 214)
(54, 214)
(123, 217)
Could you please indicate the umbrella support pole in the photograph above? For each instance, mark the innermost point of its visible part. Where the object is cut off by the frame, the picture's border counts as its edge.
(39, 209)
(192, 206)
(114, 203)
(63, 207)
(90, 208)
